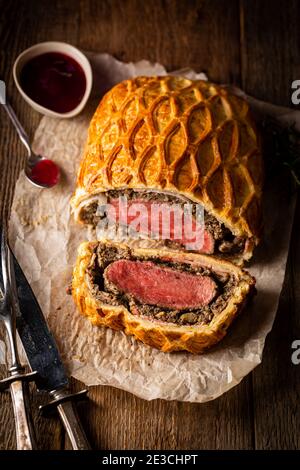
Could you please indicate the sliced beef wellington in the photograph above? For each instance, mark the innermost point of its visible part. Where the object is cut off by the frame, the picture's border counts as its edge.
(175, 140)
(174, 301)
(216, 239)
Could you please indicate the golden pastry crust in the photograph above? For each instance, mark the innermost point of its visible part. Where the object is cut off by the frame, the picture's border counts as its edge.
(175, 135)
(165, 336)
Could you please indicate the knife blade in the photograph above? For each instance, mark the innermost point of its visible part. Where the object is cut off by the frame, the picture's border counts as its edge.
(43, 356)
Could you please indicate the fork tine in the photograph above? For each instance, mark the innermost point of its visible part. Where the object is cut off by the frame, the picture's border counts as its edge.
(4, 258)
(5, 270)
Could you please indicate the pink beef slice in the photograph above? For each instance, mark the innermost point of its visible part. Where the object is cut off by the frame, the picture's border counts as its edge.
(122, 217)
(152, 284)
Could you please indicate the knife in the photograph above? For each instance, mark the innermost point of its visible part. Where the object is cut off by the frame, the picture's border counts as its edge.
(43, 357)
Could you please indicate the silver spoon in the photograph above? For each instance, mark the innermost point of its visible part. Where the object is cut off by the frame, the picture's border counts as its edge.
(40, 171)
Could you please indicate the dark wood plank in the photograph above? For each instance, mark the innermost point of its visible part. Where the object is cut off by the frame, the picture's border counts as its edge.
(277, 381)
(115, 419)
(203, 35)
(270, 40)
(270, 62)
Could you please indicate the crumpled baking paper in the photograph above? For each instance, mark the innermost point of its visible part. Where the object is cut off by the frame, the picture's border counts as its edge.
(45, 238)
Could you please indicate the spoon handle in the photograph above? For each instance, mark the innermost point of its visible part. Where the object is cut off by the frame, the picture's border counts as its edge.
(19, 128)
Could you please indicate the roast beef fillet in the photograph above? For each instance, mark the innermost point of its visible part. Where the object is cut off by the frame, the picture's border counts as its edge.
(158, 288)
(165, 226)
(157, 285)
(216, 238)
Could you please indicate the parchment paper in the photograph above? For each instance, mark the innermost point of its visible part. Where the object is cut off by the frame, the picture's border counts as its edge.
(45, 239)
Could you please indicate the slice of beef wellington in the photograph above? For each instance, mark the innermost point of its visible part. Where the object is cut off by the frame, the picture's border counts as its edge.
(171, 301)
(176, 140)
(214, 239)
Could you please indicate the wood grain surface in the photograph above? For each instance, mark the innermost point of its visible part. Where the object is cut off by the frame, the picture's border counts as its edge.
(254, 44)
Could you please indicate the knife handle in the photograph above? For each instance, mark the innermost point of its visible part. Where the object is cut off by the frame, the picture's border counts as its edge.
(72, 425)
(63, 403)
(24, 429)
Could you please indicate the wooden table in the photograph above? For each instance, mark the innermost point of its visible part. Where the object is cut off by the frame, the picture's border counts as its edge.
(254, 44)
